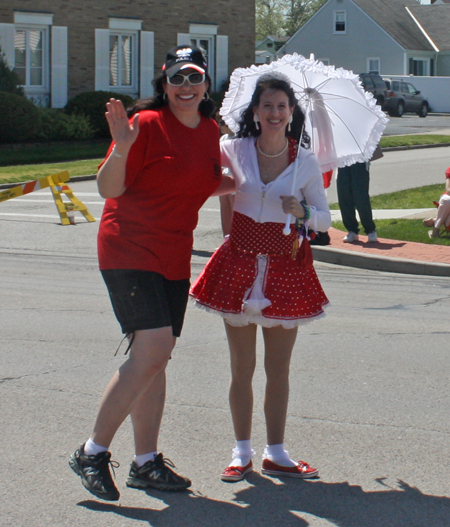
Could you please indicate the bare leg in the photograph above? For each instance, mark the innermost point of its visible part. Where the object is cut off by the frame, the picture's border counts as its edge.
(242, 342)
(147, 414)
(149, 354)
(279, 343)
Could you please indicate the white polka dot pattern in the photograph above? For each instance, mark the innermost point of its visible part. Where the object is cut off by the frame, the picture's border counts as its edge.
(292, 286)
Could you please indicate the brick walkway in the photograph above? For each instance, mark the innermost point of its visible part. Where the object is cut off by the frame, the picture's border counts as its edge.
(422, 252)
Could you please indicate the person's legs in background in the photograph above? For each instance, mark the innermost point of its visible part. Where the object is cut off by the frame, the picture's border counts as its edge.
(360, 190)
(347, 204)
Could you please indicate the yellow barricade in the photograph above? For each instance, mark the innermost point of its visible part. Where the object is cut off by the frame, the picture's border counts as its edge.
(65, 209)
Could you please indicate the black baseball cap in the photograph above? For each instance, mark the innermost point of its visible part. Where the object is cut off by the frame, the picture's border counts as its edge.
(183, 57)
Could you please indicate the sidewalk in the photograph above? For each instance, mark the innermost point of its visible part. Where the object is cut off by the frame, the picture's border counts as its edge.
(386, 255)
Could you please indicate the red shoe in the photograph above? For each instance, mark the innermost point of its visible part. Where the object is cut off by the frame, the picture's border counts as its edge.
(236, 473)
(302, 470)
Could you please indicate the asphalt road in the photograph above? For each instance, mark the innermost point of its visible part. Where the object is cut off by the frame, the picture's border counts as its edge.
(369, 390)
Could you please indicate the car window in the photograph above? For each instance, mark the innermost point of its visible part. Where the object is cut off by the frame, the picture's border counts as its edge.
(404, 87)
(396, 86)
(368, 83)
(411, 89)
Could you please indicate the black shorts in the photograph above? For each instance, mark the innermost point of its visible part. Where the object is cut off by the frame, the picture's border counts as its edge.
(146, 300)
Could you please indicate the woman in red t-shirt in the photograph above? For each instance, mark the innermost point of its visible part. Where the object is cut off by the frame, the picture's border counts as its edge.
(163, 164)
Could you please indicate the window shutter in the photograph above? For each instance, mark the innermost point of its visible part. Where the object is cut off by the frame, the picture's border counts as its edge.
(7, 43)
(221, 61)
(102, 59)
(59, 67)
(411, 67)
(431, 67)
(147, 65)
(183, 39)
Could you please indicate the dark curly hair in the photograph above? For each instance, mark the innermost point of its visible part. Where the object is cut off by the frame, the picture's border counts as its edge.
(206, 108)
(269, 81)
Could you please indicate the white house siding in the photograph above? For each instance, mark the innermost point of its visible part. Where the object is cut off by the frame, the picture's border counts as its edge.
(363, 39)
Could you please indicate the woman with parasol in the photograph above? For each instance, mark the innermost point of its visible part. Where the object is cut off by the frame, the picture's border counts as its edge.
(260, 276)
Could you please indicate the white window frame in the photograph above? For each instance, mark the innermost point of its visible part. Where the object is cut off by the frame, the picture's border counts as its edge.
(29, 21)
(119, 87)
(374, 70)
(121, 27)
(335, 21)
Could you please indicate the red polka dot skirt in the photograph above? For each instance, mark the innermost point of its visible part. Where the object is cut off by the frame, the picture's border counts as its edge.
(252, 278)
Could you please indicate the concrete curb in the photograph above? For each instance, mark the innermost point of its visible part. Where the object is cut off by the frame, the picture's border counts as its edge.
(378, 263)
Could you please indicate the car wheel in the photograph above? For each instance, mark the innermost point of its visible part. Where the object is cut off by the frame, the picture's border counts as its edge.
(400, 109)
(423, 112)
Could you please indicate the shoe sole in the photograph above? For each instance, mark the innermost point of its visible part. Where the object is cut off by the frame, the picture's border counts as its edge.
(73, 464)
(236, 478)
(134, 483)
(289, 474)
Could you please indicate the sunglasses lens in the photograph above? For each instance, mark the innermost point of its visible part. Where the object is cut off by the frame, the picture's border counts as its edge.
(194, 79)
(176, 80)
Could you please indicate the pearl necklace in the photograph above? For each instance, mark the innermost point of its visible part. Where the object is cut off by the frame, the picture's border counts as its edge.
(274, 155)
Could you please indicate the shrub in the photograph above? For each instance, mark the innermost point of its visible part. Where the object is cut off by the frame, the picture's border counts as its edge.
(93, 106)
(9, 80)
(59, 126)
(20, 118)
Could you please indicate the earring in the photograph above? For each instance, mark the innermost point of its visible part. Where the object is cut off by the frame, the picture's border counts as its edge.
(165, 98)
(256, 120)
(289, 123)
(205, 96)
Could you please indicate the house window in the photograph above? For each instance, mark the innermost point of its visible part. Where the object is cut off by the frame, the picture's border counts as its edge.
(373, 65)
(29, 56)
(206, 44)
(419, 67)
(122, 60)
(340, 22)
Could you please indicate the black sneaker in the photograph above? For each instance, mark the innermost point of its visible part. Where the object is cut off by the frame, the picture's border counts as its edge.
(157, 475)
(94, 473)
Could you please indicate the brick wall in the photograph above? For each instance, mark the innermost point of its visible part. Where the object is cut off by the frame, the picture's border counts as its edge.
(235, 18)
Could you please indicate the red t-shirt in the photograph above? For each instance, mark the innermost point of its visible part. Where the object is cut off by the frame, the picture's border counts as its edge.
(171, 171)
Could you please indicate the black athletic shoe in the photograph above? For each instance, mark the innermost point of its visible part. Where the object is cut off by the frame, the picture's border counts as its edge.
(157, 475)
(94, 473)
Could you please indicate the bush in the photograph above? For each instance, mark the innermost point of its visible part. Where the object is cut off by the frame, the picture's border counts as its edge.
(93, 106)
(59, 126)
(20, 118)
(9, 80)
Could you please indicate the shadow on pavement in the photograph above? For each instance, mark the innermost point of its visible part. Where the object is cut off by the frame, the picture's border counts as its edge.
(283, 502)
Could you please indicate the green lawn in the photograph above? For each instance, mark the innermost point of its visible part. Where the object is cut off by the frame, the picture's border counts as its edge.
(413, 198)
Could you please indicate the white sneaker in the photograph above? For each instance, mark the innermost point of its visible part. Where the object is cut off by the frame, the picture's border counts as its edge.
(373, 238)
(351, 237)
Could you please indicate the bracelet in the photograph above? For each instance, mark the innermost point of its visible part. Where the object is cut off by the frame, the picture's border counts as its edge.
(307, 211)
(114, 153)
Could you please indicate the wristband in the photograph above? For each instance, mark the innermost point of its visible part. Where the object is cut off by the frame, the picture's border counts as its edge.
(114, 153)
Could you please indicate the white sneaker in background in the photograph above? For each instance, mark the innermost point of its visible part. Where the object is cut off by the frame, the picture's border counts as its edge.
(373, 238)
(351, 237)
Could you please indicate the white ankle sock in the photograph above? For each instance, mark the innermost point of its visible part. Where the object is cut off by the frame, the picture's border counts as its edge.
(143, 458)
(92, 449)
(242, 454)
(277, 454)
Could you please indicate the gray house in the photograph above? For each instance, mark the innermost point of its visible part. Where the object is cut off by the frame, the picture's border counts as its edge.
(390, 37)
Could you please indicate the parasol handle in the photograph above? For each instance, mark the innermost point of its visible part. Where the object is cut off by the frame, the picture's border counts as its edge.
(287, 227)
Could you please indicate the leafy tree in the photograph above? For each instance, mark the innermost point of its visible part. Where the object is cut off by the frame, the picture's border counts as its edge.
(283, 17)
(9, 80)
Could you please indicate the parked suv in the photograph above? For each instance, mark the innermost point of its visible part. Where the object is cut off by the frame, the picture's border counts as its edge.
(403, 97)
(376, 86)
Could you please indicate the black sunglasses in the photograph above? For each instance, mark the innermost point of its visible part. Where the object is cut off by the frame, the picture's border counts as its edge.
(194, 79)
